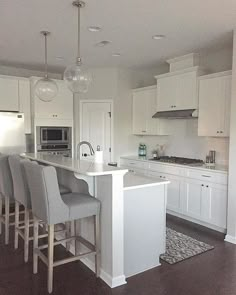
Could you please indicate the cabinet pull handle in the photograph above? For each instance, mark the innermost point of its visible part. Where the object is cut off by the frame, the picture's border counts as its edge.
(205, 175)
(143, 130)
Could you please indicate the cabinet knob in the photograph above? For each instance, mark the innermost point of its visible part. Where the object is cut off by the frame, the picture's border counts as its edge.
(221, 132)
(217, 132)
(207, 186)
(202, 184)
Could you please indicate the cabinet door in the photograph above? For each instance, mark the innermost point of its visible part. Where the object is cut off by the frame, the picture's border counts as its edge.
(61, 107)
(192, 198)
(214, 100)
(186, 92)
(215, 205)
(225, 104)
(174, 192)
(25, 104)
(166, 93)
(9, 96)
(139, 113)
(151, 124)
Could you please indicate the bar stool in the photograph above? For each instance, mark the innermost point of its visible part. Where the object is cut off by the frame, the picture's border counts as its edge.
(22, 198)
(53, 208)
(6, 192)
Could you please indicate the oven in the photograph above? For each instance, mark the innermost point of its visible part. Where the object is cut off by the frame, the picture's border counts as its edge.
(54, 140)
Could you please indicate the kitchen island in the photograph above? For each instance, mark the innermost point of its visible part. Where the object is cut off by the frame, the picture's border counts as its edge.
(132, 214)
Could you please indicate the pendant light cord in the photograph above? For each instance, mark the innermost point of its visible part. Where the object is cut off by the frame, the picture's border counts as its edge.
(78, 52)
(46, 55)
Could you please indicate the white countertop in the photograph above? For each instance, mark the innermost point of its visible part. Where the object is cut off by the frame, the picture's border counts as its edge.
(216, 168)
(78, 166)
(134, 181)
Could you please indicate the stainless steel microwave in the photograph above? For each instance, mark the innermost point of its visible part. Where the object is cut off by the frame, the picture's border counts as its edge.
(54, 135)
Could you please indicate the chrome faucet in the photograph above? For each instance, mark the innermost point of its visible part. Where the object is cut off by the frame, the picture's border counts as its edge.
(86, 143)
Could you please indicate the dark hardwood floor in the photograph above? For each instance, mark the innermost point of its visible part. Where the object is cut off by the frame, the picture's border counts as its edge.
(211, 273)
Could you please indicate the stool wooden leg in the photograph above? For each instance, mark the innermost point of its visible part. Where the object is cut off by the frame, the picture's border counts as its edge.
(26, 236)
(1, 201)
(68, 234)
(16, 224)
(7, 217)
(35, 255)
(97, 244)
(76, 230)
(50, 256)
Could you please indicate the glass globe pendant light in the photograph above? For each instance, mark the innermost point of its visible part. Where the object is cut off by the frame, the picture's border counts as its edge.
(46, 89)
(77, 78)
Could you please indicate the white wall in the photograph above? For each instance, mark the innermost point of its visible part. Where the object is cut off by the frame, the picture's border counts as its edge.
(231, 224)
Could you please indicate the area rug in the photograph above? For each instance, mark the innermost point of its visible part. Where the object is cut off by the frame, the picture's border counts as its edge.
(180, 247)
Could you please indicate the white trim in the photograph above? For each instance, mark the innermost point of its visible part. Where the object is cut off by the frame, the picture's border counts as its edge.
(112, 119)
(182, 57)
(144, 88)
(215, 75)
(211, 226)
(196, 69)
(230, 239)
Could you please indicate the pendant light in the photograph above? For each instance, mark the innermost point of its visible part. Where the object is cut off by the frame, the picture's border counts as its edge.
(77, 78)
(46, 89)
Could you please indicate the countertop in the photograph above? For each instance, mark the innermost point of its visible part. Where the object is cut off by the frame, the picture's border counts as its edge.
(216, 168)
(78, 166)
(134, 181)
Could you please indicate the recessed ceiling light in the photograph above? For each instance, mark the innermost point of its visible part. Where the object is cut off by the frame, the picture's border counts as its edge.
(116, 54)
(103, 43)
(94, 29)
(158, 37)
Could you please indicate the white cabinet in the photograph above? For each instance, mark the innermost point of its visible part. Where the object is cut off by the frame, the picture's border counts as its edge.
(214, 104)
(205, 201)
(174, 201)
(178, 90)
(144, 107)
(199, 195)
(24, 103)
(9, 95)
(61, 107)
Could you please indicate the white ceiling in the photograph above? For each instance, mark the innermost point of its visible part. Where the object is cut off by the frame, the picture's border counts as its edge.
(189, 25)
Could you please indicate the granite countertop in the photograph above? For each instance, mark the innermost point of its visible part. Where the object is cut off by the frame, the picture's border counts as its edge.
(134, 181)
(216, 168)
(78, 166)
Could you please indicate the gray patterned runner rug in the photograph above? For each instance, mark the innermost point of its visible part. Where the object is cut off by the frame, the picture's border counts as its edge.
(180, 247)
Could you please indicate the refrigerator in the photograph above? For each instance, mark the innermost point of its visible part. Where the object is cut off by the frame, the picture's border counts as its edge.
(12, 133)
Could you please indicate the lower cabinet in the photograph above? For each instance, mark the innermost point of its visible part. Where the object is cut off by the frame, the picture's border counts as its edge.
(205, 201)
(174, 188)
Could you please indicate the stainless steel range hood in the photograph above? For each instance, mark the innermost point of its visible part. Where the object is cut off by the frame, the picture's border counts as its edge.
(178, 114)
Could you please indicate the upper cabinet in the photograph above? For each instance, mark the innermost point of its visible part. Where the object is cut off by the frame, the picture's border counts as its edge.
(178, 90)
(61, 107)
(214, 104)
(144, 107)
(9, 94)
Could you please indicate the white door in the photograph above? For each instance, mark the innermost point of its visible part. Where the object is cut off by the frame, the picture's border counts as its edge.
(96, 127)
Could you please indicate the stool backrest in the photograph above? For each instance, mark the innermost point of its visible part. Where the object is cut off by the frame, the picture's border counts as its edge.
(45, 195)
(20, 185)
(6, 184)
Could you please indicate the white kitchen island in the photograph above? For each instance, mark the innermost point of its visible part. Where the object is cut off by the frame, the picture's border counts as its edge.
(132, 214)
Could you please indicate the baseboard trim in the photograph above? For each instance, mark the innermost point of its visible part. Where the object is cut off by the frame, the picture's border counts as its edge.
(191, 219)
(230, 239)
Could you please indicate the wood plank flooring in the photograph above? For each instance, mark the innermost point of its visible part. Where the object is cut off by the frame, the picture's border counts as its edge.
(212, 273)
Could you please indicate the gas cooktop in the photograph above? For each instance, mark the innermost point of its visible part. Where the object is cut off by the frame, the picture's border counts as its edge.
(179, 160)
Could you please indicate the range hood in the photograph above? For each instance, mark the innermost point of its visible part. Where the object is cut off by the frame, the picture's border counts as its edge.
(178, 114)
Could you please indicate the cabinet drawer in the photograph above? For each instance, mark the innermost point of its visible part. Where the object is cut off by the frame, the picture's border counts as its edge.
(134, 164)
(166, 169)
(207, 176)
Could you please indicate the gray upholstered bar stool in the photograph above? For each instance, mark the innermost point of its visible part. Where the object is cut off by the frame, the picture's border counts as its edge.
(53, 208)
(22, 198)
(6, 191)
